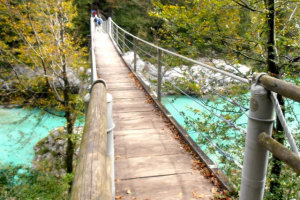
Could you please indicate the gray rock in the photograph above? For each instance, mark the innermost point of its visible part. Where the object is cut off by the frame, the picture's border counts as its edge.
(28, 73)
(51, 151)
(88, 72)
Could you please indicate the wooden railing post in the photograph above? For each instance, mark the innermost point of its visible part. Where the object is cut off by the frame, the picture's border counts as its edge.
(92, 178)
(260, 119)
(281, 87)
(280, 152)
(159, 77)
(134, 50)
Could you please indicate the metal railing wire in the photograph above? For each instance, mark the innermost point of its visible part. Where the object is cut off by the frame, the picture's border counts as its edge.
(144, 50)
(243, 80)
(283, 122)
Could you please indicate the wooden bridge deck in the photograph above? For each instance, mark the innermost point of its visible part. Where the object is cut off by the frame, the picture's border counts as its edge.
(149, 162)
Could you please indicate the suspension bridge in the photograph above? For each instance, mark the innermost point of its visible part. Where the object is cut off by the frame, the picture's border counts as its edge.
(132, 147)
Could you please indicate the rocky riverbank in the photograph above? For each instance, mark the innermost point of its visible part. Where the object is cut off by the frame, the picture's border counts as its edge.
(50, 152)
(187, 78)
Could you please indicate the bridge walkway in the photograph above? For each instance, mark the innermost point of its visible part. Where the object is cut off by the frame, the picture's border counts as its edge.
(149, 162)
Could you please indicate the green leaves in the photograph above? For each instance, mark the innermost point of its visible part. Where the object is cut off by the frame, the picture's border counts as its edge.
(228, 29)
(18, 182)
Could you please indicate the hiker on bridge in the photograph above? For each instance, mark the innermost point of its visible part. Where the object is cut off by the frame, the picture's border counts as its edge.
(98, 21)
(94, 13)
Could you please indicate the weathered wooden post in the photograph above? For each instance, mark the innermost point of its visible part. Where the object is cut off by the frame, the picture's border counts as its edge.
(92, 179)
(134, 58)
(260, 119)
(159, 77)
(280, 152)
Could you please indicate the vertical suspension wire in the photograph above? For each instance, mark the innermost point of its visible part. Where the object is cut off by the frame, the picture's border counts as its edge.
(282, 120)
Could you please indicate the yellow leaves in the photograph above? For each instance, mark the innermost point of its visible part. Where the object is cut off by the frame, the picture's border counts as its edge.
(228, 117)
(214, 190)
(197, 196)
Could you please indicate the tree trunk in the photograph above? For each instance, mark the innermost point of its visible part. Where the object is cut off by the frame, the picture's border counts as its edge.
(70, 144)
(271, 44)
(70, 118)
(276, 163)
(274, 71)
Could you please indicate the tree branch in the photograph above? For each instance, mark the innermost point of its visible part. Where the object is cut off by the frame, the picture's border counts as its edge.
(247, 6)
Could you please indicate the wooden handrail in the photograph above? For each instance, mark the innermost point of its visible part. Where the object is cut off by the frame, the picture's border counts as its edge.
(281, 87)
(280, 151)
(92, 178)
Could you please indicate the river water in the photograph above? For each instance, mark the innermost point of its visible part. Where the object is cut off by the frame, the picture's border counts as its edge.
(20, 130)
(181, 107)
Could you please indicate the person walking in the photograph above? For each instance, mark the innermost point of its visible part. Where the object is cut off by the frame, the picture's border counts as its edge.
(94, 13)
(98, 21)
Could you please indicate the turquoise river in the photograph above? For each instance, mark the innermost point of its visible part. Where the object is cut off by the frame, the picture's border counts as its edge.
(21, 129)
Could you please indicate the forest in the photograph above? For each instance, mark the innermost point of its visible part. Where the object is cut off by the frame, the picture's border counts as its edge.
(45, 42)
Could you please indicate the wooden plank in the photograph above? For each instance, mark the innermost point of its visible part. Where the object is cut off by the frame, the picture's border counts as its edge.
(138, 145)
(139, 123)
(131, 107)
(185, 186)
(140, 100)
(118, 80)
(138, 167)
(116, 85)
(138, 131)
(134, 115)
(117, 76)
(122, 88)
(149, 161)
(127, 94)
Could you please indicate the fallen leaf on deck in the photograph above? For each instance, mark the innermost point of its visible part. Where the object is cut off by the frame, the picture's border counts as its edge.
(197, 196)
(214, 190)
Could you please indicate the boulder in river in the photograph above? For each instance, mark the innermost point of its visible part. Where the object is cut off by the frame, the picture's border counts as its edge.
(50, 152)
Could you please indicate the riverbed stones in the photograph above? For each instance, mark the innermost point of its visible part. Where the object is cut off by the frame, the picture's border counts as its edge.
(182, 75)
(26, 72)
(51, 151)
